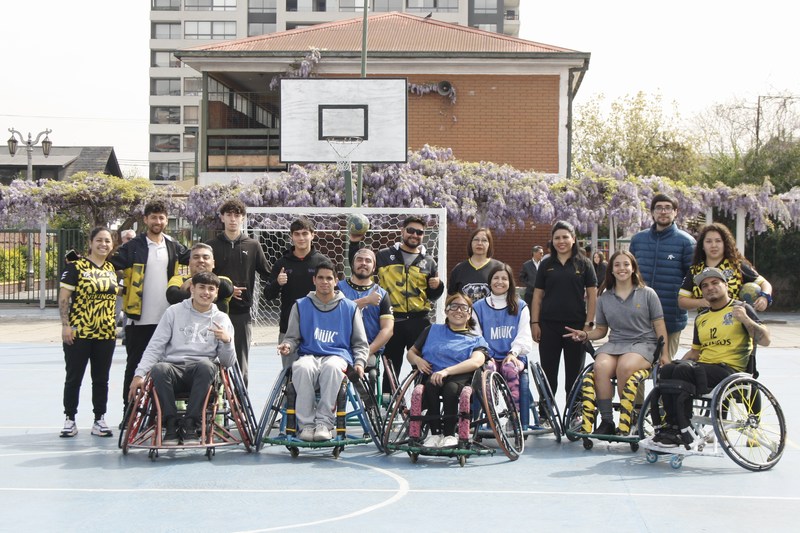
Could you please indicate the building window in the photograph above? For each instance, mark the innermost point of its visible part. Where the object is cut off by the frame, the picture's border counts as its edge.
(305, 5)
(164, 171)
(165, 143)
(261, 28)
(191, 114)
(189, 142)
(165, 5)
(485, 6)
(165, 87)
(166, 30)
(487, 27)
(387, 5)
(192, 86)
(209, 5)
(165, 115)
(164, 59)
(262, 6)
(432, 5)
(207, 29)
(189, 171)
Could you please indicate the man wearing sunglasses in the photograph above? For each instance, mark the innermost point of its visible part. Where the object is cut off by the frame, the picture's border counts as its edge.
(411, 277)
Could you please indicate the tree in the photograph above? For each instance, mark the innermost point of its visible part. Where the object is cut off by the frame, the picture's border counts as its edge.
(635, 135)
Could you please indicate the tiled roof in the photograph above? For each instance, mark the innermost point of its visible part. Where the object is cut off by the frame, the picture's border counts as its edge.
(388, 32)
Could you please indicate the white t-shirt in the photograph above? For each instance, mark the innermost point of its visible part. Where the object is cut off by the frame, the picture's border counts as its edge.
(154, 291)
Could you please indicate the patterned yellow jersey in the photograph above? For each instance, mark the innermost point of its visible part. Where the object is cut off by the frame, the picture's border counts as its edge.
(721, 339)
(94, 295)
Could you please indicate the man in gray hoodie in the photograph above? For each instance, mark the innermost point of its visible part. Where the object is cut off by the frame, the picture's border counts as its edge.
(328, 333)
(180, 357)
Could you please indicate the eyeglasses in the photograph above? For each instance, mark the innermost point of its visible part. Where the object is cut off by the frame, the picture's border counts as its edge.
(663, 208)
(458, 307)
(415, 231)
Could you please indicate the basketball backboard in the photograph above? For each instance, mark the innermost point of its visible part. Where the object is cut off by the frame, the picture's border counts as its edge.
(315, 110)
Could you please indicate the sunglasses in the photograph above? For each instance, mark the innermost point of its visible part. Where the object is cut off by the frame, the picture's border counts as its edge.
(414, 231)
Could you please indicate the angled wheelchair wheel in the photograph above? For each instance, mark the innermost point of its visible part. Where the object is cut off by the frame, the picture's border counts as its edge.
(241, 411)
(141, 415)
(502, 414)
(749, 423)
(547, 401)
(269, 424)
(572, 422)
(395, 426)
(368, 404)
(645, 426)
(125, 418)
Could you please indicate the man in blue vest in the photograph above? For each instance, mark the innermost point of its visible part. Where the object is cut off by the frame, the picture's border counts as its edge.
(328, 333)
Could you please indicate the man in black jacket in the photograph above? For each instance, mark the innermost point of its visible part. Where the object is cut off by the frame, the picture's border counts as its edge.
(238, 257)
(293, 275)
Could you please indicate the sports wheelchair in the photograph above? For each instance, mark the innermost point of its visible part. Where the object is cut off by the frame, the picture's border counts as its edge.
(491, 411)
(544, 412)
(227, 407)
(278, 424)
(739, 418)
(580, 414)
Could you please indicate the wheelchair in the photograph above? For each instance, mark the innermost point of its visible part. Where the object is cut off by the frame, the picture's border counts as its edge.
(581, 413)
(278, 423)
(490, 411)
(228, 417)
(540, 416)
(739, 418)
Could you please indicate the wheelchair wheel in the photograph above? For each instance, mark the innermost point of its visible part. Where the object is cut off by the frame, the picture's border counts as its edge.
(749, 423)
(141, 412)
(125, 418)
(502, 414)
(573, 412)
(395, 427)
(369, 407)
(548, 401)
(268, 424)
(239, 405)
(644, 426)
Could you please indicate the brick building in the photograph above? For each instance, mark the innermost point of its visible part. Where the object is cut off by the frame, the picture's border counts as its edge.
(513, 98)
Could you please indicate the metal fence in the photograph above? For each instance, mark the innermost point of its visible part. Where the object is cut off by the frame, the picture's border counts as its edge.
(20, 251)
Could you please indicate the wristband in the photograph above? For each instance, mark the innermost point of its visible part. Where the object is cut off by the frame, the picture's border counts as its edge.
(767, 296)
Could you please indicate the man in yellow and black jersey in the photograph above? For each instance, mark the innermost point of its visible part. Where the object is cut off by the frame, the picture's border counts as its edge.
(723, 340)
(411, 277)
(201, 259)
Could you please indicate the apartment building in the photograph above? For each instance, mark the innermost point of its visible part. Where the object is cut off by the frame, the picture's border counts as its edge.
(176, 89)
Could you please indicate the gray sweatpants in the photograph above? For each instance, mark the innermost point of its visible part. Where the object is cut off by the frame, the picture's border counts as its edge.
(309, 372)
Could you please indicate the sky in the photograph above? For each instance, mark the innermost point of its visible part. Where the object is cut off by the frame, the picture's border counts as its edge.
(80, 67)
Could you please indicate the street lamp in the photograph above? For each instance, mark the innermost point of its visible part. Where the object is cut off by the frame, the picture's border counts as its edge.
(47, 144)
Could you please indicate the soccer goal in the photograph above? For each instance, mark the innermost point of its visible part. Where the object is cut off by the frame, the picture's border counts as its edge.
(270, 226)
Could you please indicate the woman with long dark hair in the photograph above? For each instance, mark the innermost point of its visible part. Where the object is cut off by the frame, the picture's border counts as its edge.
(87, 303)
(633, 314)
(565, 296)
(503, 320)
(716, 248)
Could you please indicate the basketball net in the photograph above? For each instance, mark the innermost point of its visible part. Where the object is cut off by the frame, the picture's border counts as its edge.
(344, 146)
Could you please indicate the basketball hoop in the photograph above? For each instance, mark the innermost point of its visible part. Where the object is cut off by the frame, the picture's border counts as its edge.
(343, 146)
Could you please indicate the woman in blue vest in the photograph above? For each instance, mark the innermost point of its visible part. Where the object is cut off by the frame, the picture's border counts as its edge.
(447, 354)
(503, 320)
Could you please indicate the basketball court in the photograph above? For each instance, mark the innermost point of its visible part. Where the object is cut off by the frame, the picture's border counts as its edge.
(86, 484)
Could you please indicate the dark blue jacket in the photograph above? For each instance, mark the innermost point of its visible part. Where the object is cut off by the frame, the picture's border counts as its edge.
(664, 258)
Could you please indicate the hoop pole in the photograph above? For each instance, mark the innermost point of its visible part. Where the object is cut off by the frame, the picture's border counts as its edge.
(359, 170)
(348, 187)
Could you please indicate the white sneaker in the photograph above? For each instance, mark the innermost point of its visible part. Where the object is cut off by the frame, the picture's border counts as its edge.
(433, 441)
(322, 433)
(306, 434)
(100, 429)
(70, 429)
(450, 441)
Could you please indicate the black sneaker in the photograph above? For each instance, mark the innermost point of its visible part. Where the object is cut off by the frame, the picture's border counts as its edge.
(605, 428)
(171, 437)
(189, 433)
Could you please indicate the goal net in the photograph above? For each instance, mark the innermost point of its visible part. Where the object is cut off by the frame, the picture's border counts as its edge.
(270, 226)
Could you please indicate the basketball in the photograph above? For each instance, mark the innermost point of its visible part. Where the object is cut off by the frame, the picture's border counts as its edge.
(357, 224)
(749, 292)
